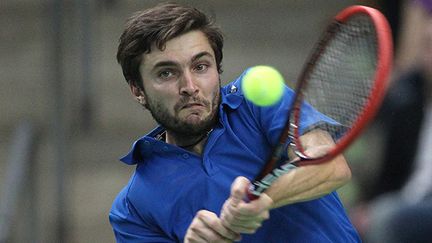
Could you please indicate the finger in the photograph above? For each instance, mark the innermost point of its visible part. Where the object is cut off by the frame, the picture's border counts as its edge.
(230, 219)
(238, 189)
(256, 207)
(195, 232)
(193, 237)
(245, 229)
(214, 229)
(246, 224)
(206, 235)
(245, 211)
(243, 225)
(238, 193)
(199, 231)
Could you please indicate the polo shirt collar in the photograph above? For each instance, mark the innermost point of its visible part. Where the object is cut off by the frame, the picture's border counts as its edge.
(143, 147)
(232, 96)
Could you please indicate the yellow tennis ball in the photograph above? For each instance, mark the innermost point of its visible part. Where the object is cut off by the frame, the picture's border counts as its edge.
(263, 85)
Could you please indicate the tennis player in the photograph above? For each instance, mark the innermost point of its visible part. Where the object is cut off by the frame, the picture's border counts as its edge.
(192, 171)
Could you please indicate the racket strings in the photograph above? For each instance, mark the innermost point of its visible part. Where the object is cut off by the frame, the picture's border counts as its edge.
(340, 83)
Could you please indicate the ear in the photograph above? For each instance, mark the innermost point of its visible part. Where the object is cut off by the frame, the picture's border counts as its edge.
(138, 93)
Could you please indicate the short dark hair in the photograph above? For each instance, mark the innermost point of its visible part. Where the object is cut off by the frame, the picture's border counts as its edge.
(158, 25)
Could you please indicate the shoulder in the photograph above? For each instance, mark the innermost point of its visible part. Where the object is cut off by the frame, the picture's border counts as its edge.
(132, 212)
(131, 224)
(122, 206)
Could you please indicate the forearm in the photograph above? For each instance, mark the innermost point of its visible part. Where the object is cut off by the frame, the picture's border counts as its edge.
(309, 182)
(301, 184)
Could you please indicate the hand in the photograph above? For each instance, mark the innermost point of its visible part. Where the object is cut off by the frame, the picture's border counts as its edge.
(207, 227)
(241, 216)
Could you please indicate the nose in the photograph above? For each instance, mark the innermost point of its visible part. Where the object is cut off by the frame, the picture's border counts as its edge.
(188, 85)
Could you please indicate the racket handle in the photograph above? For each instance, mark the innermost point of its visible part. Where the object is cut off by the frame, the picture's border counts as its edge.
(249, 195)
(260, 185)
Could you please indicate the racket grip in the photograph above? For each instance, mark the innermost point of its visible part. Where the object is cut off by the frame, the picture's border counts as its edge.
(249, 195)
(260, 185)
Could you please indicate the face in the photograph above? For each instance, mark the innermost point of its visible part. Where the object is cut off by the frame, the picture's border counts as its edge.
(181, 84)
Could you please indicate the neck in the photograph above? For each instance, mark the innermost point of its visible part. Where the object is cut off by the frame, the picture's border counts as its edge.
(192, 143)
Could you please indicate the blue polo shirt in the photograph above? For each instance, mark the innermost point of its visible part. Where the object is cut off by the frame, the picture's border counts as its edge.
(170, 184)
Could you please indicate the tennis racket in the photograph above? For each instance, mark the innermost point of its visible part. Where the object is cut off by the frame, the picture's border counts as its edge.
(345, 79)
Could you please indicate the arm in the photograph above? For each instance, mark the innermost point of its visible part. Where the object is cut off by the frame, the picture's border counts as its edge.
(302, 184)
(127, 229)
(128, 226)
(310, 182)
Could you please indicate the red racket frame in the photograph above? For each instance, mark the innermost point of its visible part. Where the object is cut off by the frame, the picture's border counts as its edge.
(378, 91)
(381, 82)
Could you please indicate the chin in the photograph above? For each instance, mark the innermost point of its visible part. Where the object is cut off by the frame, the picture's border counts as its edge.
(194, 119)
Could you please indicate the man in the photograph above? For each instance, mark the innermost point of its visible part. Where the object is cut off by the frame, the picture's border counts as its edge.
(193, 169)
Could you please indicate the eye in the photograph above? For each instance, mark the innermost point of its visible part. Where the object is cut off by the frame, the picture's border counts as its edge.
(166, 74)
(201, 67)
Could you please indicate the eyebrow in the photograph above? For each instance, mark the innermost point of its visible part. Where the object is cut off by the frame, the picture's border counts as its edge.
(201, 54)
(172, 63)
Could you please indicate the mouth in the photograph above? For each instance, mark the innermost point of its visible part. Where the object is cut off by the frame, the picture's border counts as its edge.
(192, 105)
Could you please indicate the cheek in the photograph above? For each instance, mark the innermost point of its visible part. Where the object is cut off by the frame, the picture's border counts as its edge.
(211, 85)
(163, 98)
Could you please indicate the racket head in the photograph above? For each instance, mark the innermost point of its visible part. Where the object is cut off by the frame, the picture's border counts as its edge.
(345, 79)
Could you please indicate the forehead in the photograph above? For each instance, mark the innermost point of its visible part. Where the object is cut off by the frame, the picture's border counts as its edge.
(179, 49)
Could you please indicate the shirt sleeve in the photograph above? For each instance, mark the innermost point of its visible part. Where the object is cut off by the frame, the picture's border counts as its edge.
(273, 118)
(129, 227)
